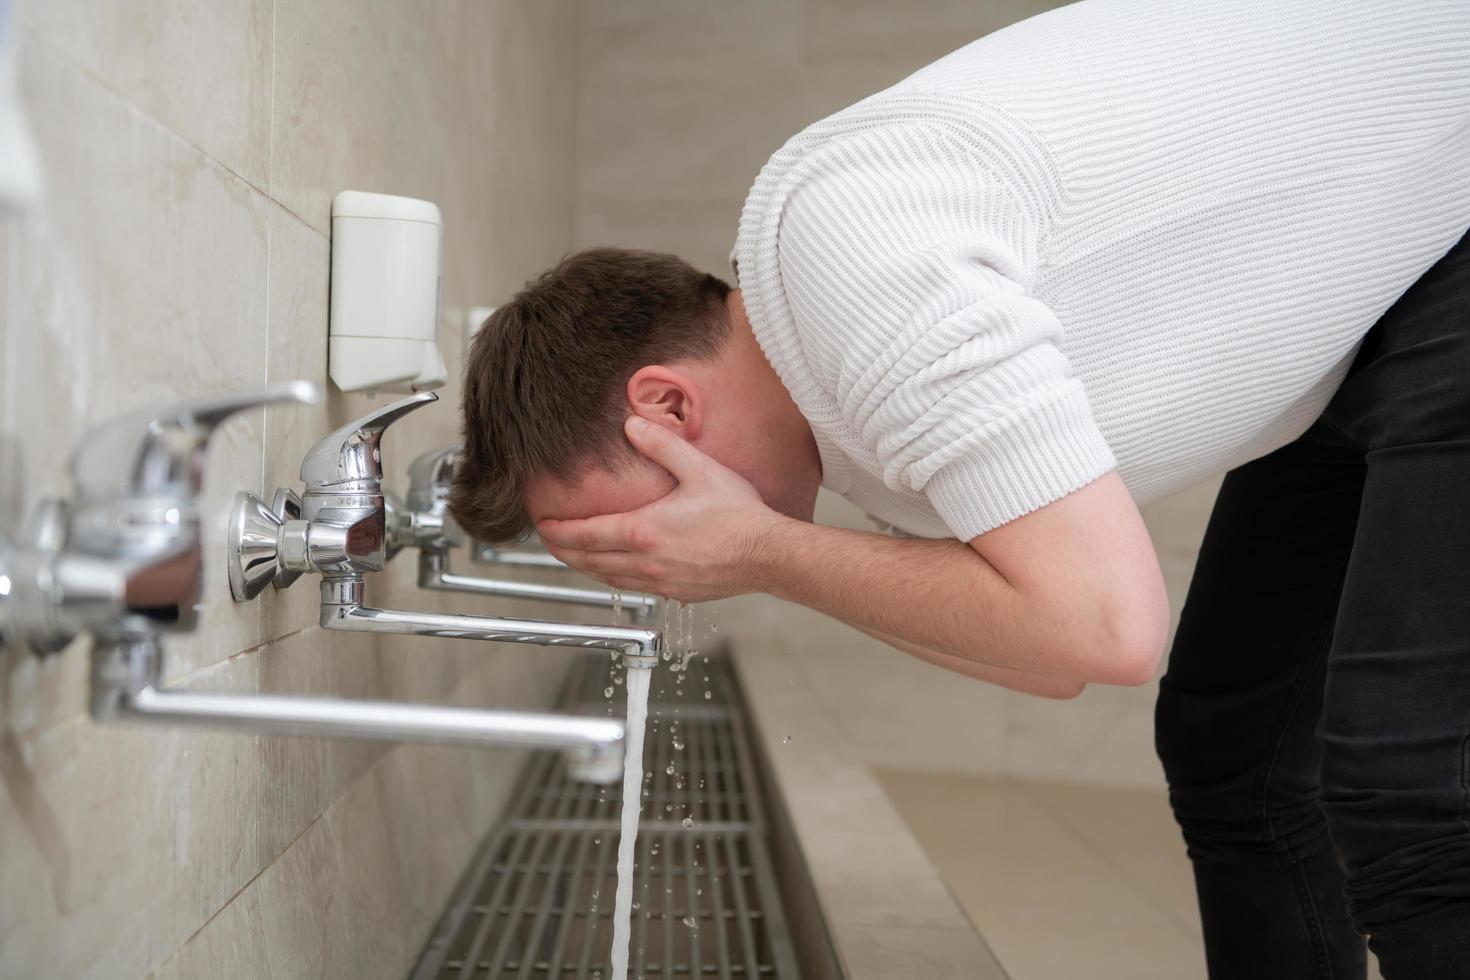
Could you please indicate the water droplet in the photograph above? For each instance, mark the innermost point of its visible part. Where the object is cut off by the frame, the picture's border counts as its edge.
(637, 905)
(699, 891)
(607, 691)
(678, 745)
(669, 769)
(707, 695)
(689, 921)
(688, 823)
(786, 740)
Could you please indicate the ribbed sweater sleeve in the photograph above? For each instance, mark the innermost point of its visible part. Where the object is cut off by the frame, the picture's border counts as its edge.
(905, 261)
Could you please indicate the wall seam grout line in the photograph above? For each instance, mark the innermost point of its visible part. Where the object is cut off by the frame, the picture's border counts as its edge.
(270, 131)
(60, 55)
(254, 648)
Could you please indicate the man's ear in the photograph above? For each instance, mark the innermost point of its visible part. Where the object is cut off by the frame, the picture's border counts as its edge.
(668, 398)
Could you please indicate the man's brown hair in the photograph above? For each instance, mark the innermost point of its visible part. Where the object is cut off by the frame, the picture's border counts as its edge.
(543, 386)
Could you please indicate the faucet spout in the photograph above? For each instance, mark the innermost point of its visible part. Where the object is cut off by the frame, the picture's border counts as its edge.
(124, 688)
(343, 609)
(435, 573)
(386, 720)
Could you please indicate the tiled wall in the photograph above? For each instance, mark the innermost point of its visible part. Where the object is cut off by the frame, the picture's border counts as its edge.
(190, 152)
(679, 106)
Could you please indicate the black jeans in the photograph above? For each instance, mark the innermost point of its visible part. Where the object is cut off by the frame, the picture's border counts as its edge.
(1314, 722)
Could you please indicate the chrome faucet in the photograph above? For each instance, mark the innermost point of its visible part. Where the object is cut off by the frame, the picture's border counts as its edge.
(121, 561)
(340, 533)
(423, 521)
(489, 554)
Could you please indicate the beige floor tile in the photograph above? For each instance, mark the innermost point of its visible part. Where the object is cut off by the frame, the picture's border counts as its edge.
(1050, 902)
(1134, 833)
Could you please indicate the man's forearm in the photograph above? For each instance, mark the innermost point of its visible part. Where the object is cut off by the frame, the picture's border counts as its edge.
(1015, 680)
(937, 595)
(1070, 590)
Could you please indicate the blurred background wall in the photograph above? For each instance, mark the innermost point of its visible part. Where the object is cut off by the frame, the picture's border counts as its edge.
(190, 153)
(679, 105)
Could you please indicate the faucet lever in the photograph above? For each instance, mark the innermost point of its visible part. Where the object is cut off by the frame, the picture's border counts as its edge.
(351, 454)
(159, 452)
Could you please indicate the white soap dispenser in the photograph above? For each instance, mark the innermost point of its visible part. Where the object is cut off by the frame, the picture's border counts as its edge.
(385, 294)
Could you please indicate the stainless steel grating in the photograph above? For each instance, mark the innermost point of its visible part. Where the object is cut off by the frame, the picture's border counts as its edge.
(537, 902)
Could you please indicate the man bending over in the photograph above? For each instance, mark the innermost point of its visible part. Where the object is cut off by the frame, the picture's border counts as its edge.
(1083, 262)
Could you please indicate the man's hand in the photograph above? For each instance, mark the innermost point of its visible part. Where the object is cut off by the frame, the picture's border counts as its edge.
(702, 541)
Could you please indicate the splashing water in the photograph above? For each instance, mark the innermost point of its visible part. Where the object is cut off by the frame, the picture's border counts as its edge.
(617, 609)
(671, 623)
(632, 800)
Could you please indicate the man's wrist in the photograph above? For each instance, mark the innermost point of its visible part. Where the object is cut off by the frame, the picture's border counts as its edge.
(770, 559)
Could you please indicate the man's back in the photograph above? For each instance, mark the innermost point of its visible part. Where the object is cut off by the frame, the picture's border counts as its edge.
(1207, 206)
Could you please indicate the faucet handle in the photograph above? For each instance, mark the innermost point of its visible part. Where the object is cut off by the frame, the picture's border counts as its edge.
(159, 452)
(351, 454)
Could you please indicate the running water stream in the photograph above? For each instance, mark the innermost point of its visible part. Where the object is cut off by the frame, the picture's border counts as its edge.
(638, 679)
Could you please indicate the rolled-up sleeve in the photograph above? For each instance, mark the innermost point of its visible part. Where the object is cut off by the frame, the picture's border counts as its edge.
(906, 265)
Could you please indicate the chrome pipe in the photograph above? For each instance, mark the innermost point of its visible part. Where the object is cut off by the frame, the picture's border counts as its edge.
(125, 677)
(485, 554)
(342, 609)
(434, 574)
(387, 720)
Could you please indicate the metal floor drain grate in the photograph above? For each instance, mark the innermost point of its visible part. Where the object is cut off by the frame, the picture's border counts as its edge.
(537, 902)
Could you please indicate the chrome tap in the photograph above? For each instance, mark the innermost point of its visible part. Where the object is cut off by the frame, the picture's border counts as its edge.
(121, 561)
(341, 534)
(488, 554)
(423, 522)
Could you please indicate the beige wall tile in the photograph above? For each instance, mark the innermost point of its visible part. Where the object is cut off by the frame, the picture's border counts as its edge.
(679, 105)
(141, 278)
(369, 98)
(203, 70)
(87, 885)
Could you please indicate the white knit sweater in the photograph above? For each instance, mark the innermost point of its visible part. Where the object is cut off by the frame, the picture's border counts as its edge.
(1135, 233)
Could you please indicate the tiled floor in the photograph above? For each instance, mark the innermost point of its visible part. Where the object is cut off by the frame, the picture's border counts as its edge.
(1063, 881)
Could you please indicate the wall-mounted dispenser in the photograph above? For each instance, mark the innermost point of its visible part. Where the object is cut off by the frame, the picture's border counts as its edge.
(474, 319)
(385, 293)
